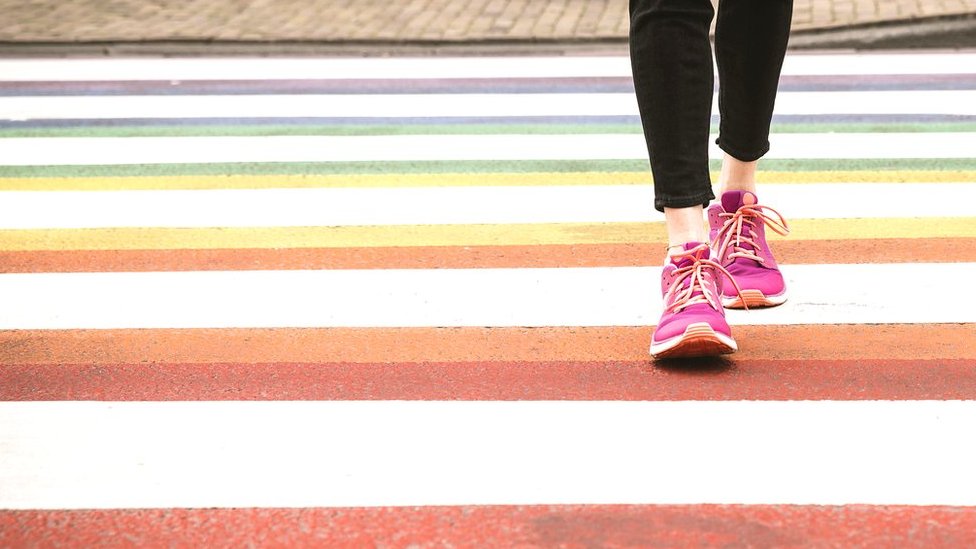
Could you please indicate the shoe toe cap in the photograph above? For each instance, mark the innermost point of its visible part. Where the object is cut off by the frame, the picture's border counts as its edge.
(674, 325)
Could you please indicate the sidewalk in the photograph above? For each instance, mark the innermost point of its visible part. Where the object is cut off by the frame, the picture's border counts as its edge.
(68, 22)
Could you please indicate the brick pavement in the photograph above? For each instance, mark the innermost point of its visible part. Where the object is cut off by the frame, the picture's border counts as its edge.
(67, 21)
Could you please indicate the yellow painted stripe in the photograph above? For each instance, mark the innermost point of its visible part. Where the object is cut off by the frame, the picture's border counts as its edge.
(448, 180)
(447, 235)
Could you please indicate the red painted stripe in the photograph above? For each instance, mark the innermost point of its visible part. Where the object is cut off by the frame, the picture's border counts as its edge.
(500, 526)
(705, 379)
(892, 250)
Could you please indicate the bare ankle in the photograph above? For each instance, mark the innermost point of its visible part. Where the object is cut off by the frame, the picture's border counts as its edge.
(676, 249)
(737, 175)
(684, 225)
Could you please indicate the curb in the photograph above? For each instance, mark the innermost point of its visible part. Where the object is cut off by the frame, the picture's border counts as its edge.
(944, 31)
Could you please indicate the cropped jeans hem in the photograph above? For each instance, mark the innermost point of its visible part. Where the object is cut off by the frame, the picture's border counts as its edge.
(743, 155)
(701, 199)
(674, 80)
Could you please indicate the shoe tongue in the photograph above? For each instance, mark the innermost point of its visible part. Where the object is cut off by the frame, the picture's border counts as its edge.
(733, 200)
(702, 252)
(686, 260)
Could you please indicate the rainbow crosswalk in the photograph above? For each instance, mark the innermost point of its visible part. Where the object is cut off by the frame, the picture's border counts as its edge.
(408, 301)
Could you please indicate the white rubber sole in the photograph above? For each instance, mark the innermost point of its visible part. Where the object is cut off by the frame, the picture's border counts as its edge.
(698, 339)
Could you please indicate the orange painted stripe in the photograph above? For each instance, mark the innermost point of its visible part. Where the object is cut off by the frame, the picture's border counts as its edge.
(501, 526)
(929, 250)
(423, 345)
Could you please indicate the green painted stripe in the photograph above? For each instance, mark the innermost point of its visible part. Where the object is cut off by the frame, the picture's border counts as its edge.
(479, 166)
(450, 129)
(322, 168)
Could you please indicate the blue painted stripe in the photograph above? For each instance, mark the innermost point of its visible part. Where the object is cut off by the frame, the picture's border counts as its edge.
(513, 120)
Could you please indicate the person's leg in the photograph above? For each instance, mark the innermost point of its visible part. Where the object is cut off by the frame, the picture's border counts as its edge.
(671, 57)
(750, 45)
(673, 77)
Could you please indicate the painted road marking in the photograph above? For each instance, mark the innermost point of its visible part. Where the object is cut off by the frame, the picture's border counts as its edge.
(852, 250)
(444, 67)
(97, 455)
(954, 102)
(401, 180)
(893, 166)
(447, 205)
(617, 84)
(753, 379)
(476, 345)
(412, 236)
(613, 296)
(55, 151)
(856, 341)
(505, 526)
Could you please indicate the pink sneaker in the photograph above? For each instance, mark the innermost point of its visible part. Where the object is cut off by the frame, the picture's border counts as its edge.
(738, 234)
(693, 323)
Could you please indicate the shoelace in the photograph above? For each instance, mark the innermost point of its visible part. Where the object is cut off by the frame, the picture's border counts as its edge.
(731, 233)
(684, 297)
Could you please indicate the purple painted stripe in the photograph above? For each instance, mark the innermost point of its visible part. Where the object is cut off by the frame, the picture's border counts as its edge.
(879, 82)
(317, 121)
(337, 86)
(459, 85)
(421, 121)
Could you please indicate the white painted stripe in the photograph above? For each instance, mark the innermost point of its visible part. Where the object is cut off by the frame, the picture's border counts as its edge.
(956, 102)
(101, 69)
(867, 63)
(618, 296)
(56, 151)
(310, 68)
(94, 455)
(447, 205)
(370, 106)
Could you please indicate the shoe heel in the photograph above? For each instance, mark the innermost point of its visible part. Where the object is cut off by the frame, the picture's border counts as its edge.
(753, 299)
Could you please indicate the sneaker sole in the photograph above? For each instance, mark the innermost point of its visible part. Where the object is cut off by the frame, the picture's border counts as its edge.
(699, 339)
(754, 299)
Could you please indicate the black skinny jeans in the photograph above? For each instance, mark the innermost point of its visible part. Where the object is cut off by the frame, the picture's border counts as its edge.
(672, 63)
